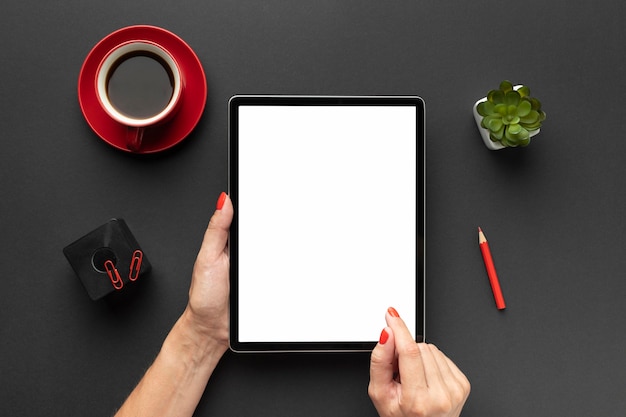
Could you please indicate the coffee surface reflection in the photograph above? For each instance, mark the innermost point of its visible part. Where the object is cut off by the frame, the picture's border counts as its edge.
(140, 85)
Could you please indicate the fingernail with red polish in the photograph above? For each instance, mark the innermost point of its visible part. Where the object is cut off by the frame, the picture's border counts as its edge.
(384, 336)
(220, 201)
(392, 312)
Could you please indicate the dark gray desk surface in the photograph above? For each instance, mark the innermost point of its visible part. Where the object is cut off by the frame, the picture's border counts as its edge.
(554, 212)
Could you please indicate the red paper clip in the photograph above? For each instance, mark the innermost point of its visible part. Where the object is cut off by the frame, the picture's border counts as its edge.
(114, 276)
(135, 265)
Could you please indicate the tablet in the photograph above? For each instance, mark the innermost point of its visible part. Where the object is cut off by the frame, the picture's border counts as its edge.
(328, 230)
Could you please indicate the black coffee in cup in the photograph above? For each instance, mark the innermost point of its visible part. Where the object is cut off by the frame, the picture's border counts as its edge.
(140, 84)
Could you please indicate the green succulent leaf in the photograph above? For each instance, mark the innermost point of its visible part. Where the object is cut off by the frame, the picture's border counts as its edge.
(512, 98)
(485, 108)
(511, 110)
(510, 120)
(516, 133)
(532, 126)
(524, 108)
(493, 123)
(497, 135)
(542, 115)
(506, 86)
(495, 96)
(500, 109)
(524, 91)
(536, 104)
(514, 130)
(511, 116)
(531, 118)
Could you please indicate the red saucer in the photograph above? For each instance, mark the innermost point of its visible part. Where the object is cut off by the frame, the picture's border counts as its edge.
(158, 138)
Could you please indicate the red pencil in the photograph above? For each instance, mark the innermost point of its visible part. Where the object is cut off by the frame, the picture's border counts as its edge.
(491, 270)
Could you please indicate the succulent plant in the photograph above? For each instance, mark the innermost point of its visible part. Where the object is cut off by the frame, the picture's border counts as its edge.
(511, 115)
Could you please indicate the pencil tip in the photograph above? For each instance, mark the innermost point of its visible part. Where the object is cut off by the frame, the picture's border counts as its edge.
(481, 236)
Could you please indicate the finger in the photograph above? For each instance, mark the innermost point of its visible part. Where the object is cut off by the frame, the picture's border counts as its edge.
(432, 370)
(383, 358)
(410, 362)
(216, 235)
(442, 362)
(383, 364)
(451, 387)
(448, 369)
(459, 375)
(451, 373)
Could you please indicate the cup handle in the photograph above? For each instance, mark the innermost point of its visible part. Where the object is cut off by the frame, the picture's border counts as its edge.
(134, 137)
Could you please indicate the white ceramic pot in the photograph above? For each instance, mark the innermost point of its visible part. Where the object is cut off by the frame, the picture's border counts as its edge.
(484, 133)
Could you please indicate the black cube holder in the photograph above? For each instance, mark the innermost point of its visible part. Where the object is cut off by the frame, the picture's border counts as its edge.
(107, 259)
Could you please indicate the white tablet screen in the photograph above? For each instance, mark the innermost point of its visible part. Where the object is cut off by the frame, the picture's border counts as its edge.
(326, 207)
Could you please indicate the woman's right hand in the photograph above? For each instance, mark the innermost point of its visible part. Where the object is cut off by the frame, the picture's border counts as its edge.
(413, 379)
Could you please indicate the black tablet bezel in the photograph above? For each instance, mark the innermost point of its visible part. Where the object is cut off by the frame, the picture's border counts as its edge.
(290, 100)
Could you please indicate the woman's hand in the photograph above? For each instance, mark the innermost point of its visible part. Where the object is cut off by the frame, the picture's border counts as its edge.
(174, 383)
(207, 310)
(413, 379)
